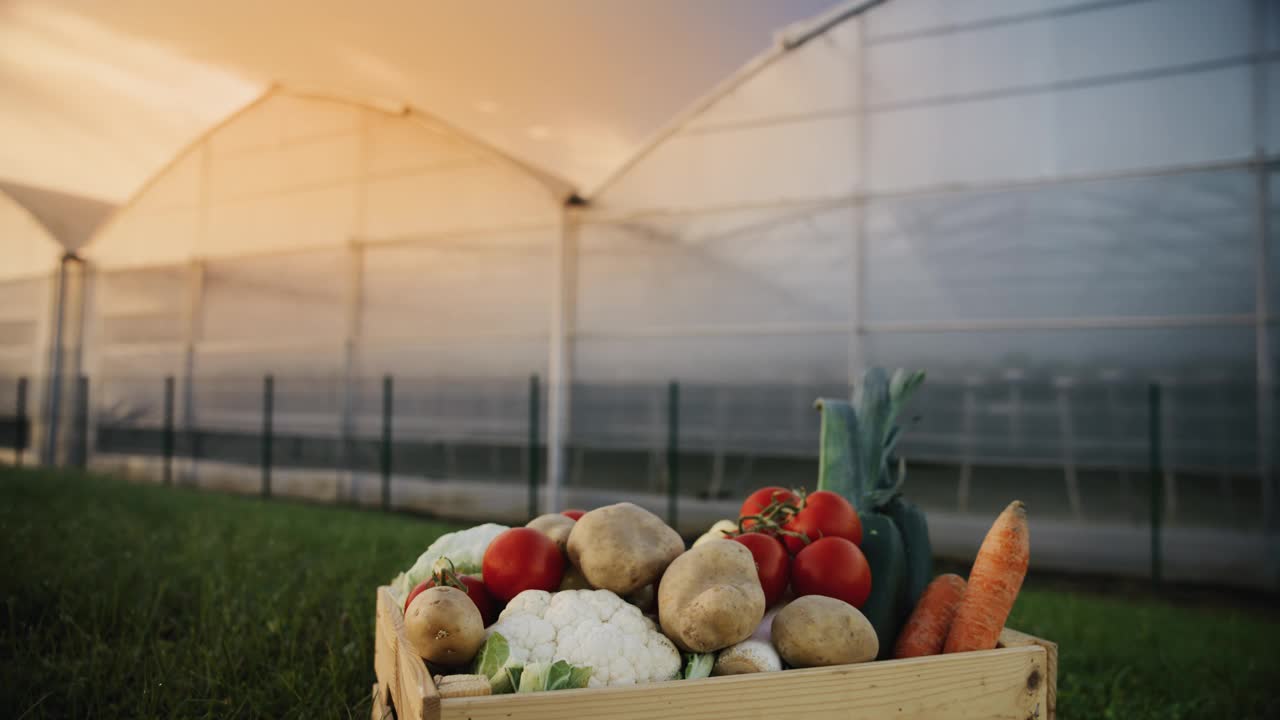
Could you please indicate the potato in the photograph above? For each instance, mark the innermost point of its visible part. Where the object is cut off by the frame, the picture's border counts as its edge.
(816, 630)
(573, 580)
(710, 597)
(555, 526)
(444, 626)
(622, 547)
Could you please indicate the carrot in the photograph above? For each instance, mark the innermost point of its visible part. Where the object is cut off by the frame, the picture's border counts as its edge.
(994, 582)
(926, 630)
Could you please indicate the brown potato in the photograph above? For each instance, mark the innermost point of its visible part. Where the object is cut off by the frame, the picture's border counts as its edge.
(622, 547)
(555, 526)
(816, 630)
(444, 626)
(710, 597)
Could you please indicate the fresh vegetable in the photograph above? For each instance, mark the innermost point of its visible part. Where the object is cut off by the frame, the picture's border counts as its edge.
(833, 567)
(444, 626)
(555, 526)
(755, 654)
(857, 442)
(773, 565)
(697, 665)
(822, 514)
(882, 546)
(573, 580)
(586, 628)
(816, 630)
(558, 675)
(719, 531)
(574, 515)
(646, 598)
(622, 547)
(492, 660)
(522, 559)
(916, 546)
(474, 587)
(762, 499)
(464, 547)
(994, 581)
(748, 656)
(926, 630)
(710, 597)
(451, 686)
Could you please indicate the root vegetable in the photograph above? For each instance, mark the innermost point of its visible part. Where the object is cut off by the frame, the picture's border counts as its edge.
(710, 597)
(444, 626)
(555, 526)
(997, 575)
(926, 630)
(622, 547)
(816, 630)
(748, 656)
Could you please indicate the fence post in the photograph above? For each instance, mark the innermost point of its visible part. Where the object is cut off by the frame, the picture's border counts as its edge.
(167, 438)
(21, 433)
(673, 450)
(385, 462)
(268, 400)
(1157, 480)
(534, 466)
(82, 422)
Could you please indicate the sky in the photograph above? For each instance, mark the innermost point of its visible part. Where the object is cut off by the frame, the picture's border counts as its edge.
(98, 96)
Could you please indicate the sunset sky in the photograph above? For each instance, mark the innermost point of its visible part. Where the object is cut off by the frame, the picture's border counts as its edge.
(97, 96)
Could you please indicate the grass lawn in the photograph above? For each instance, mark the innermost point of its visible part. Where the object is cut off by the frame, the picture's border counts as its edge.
(132, 601)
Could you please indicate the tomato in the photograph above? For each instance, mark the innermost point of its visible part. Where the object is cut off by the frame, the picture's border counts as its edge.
(521, 559)
(476, 590)
(824, 514)
(773, 564)
(834, 567)
(575, 514)
(760, 499)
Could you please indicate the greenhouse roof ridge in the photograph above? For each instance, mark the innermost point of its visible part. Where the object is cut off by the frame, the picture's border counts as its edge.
(561, 190)
(785, 40)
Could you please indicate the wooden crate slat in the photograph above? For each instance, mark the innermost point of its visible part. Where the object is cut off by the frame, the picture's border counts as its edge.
(1013, 638)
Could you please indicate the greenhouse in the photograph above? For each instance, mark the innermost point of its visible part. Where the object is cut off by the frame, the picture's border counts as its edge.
(324, 291)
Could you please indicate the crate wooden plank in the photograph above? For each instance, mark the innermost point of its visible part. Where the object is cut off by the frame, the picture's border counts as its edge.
(381, 703)
(398, 666)
(993, 684)
(1013, 638)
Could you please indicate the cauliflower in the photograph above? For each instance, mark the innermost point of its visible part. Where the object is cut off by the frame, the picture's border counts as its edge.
(587, 628)
(464, 547)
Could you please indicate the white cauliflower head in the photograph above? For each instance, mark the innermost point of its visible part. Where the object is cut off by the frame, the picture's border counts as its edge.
(591, 628)
(465, 548)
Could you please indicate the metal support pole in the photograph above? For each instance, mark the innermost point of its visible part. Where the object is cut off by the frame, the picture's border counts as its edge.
(673, 451)
(534, 415)
(268, 400)
(21, 430)
(1157, 475)
(385, 463)
(82, 422)
(167, 438)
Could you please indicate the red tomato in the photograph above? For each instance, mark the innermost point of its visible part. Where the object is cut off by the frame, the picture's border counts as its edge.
(834, 567)
(476, 590)
(773, 564)
(575, 514)
(760, 499)
(825, 514)
(521, 559)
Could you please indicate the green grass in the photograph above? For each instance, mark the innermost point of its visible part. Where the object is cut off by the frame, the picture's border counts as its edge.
(131, 601)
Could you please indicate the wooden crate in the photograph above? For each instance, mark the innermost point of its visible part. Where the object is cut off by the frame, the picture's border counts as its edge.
(1018, 680)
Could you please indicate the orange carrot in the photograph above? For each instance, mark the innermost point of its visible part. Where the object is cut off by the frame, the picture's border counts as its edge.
(926, 630)
(994, 582)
